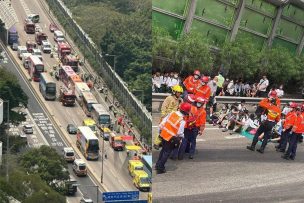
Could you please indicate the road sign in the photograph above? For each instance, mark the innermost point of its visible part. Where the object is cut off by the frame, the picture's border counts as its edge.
(128, 201)
(114, 196)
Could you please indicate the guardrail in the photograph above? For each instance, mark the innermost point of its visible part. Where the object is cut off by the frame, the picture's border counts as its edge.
(113, 81)
(158, 98)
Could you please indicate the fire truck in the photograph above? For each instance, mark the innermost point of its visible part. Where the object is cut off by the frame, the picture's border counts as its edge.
(71, 60)
(67, 97)
(63, 49)
(40, 36)
(29, 27)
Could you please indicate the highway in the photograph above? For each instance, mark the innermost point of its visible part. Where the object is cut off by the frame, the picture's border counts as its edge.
(116, 177)
(224, 171)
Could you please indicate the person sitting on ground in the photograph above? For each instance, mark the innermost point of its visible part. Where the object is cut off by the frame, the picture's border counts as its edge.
(232, 117)
(239, 123)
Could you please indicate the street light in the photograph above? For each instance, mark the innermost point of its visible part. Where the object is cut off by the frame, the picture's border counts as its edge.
(101, 176)
(114, 56)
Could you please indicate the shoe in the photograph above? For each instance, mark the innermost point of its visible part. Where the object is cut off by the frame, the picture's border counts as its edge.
(225, 130)
(250, 148)
(282, 150)
(285, 157)
(292, 158)
(180, 158)
(260, 150)
(191, 157)
(161, 171)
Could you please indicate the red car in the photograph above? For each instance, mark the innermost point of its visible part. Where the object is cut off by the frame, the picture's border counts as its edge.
(53, 27)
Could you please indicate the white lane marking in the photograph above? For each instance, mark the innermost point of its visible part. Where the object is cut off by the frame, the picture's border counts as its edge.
(200, 140)
(234, 137)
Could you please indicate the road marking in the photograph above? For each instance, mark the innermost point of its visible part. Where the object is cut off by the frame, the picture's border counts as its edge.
(234, 137)
(44, 139)
(200, 140)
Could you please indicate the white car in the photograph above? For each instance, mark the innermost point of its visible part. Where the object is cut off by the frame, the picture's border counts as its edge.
(21, 50)
(38, 53)
(28, 129)
(46, 47)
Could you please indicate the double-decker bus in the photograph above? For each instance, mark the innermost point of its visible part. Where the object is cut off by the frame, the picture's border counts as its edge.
(101, 116)
(47, 86)
(87, 142)
(35, 67)
(86, 102)
(65, 74)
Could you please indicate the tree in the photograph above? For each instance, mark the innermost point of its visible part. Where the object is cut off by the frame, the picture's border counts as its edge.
(48, 164)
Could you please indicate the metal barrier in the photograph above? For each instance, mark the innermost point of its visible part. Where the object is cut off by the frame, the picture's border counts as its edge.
(158, 98)
(115, 83)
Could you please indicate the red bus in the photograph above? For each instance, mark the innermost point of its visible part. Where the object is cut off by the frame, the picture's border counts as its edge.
(68, 76)
(35, 67)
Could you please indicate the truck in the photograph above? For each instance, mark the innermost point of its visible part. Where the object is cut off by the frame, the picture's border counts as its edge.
(68, 154)
(71, 60)
(29, 26)
(63, 49)
(40, 36)
(67, 97)
(13, 36)
(116, 142)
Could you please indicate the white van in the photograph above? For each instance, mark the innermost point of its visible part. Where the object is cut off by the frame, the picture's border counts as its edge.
(24, 58)
(58, 34)
(46, 46)
(33, 17)
(79, 167)
(21, 50)
(68, 154)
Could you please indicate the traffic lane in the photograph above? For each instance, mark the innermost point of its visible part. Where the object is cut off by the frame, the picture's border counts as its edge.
(34, 106)
(226, 165)
(279, 193)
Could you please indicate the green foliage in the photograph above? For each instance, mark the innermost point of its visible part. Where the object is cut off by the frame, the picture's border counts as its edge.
(48, 164)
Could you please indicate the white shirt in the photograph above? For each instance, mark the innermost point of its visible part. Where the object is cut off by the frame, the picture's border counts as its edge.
(280, 92)
(286, 110)
(180, 132)
(263, 85)
(157, 81)
(173, 81)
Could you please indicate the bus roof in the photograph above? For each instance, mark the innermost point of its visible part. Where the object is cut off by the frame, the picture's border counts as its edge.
(83, 86)
(87, 133)
(76, 78)
(100, 109)
(47, 78)
(89, 97)
(68, 70)
(36, 60)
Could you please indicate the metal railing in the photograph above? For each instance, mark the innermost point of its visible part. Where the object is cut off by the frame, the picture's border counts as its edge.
(113, 81)
(158, 98)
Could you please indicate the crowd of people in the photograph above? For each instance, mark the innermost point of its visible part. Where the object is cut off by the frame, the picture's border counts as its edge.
(162, 83)
(185, 112)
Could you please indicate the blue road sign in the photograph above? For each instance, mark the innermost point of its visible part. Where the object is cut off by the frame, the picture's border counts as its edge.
(114, 196)
(128, 201)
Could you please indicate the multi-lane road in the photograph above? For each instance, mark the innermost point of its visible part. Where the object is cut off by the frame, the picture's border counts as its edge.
(115, 176)
(224, 171)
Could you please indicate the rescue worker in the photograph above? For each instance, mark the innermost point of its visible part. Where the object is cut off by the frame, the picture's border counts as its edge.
(195, 126)
(191, 82)
(171, 132)
(297, 131)
(287, 126)
(203, 90)
(171, 102)
(273, 113)
(260, 110)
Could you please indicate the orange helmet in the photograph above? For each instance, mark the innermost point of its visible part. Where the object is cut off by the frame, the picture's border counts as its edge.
(197, 72)
(205, 79)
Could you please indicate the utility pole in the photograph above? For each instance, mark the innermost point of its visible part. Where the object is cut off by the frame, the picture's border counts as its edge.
(101, 176)
(7, 142)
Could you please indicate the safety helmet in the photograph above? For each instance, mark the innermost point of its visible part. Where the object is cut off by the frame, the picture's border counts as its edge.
(191, 98)
(177, 88)
(293, 105)
(201, 100)
(185, 108)
(205, 79)
(273, 93)
(197, 72)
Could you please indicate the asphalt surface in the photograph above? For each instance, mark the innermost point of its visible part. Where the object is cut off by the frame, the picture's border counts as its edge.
(224, 171)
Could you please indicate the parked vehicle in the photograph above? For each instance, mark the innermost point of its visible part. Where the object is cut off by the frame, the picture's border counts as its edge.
(13, 36)
(46, 46)
(29, 26)
(25, 59)
(34, 17)
(30, 45)
(67, 97)
(35, 67)
(21, 50)
(68, 154)
(79, 167)
(40, 36)
(58, 34)
(53, 27)
(71, 129)
(37, 52)
(87, 142)
(27, 129)
(47, 86)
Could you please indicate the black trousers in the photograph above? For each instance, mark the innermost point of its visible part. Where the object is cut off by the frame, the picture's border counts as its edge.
(265, 128)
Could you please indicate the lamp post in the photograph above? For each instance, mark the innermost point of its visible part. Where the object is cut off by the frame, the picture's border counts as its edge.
(101, 176)
(114, 56)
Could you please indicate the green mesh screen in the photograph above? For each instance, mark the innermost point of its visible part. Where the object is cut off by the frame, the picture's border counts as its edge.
(262, 6)
(256, 22)
(215, 35)
(294, 12)
(213, 10)
(279, 42)
(259, 41)
(172, 24)
(174, 6)
(290, 30)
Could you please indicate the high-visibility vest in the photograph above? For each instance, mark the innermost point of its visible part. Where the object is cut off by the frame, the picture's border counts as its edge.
(190, 83)
(274, 113)
(298, 126)
(191, 118)
(203, 91)
(290, 119)
(201, 117)
(171, 126)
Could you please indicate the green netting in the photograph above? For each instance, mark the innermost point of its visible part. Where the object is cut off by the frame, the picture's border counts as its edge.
(215, 35)
(172, 24)
(294, 12)
(174, 6)
(215, 11)
(256, 22)
(259, 41)
(290, 30)
(279, 42)
(234, 2)
(262, 6)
